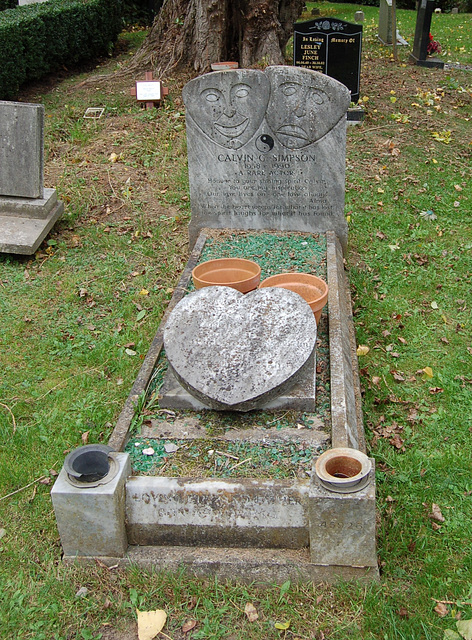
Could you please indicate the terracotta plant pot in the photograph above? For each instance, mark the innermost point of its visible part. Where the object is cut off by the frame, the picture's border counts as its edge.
(238, 273)
(311, 288)
(343, 470)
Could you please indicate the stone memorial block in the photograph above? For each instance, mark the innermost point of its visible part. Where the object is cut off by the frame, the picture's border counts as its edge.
(330, 46)
(21, 149)
(266, 150)
(385, 34)
(27, 210)
(235, 351)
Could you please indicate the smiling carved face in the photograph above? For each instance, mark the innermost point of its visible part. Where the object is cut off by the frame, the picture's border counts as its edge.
(304, 105)
(228, 106)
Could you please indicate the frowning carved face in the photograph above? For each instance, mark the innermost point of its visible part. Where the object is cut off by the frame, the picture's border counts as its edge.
(304, 105)
(228, 106)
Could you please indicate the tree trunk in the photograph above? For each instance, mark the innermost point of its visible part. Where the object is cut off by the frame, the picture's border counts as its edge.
(194, 33)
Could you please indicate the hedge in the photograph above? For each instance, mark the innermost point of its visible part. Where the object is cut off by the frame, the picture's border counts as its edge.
(7, 4)
(39, 38)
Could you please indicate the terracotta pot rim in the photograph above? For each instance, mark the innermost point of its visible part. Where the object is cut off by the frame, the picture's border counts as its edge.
(204, 279)
(301, 279)
(340, 453)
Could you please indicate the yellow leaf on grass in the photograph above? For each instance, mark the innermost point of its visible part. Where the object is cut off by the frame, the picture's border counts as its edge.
(283, 626)
(464, 627)
(144, 292)
(150, 623)
(428, 372)
(362, 350)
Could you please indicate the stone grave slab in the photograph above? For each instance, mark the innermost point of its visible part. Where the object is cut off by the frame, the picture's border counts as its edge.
(21, 149)
(237, 352)
(24, 223)
(300, 397)
(266, 150)
(306, 532)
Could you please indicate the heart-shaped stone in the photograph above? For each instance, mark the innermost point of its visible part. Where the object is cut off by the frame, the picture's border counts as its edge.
(235, 351)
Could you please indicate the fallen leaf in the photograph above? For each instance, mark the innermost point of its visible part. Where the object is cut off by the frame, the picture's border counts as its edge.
(150, 623)
(283, 626)
(130, 352)
(436, 513)
(397, 376)
(144, 292)
(434, 390)
(464, 627)
(397, 442)
(403, 612)
(84, 437)
(376, 380)
(434, 305)
(362, 350)
(188, 626)
(113, 157)
(428, 372)
(441, 609)
(251, 612)
(449, 634)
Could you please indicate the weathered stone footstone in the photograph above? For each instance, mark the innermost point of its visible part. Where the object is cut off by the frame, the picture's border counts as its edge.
(235, 351)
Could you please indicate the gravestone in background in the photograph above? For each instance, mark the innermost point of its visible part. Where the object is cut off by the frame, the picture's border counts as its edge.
(422, 30)
(266, 150)
(330, 46)
(385, 34)
(27, 210)
(21, 149)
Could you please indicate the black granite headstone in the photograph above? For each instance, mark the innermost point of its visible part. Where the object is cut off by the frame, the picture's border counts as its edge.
(423, 27)
(331, 46)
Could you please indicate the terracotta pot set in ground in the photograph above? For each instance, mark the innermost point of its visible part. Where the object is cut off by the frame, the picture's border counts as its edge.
(244, 275)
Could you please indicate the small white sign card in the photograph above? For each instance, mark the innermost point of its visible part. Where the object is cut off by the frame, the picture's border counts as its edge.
(148, 91)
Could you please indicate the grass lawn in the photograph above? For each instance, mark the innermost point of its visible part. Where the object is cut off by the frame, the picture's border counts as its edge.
(79, 316)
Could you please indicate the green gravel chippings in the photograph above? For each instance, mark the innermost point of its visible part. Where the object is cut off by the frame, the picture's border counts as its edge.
(274, 253)
(217, 459)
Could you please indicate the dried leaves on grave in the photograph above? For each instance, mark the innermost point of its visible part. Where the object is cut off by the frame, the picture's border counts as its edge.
(391, 432)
